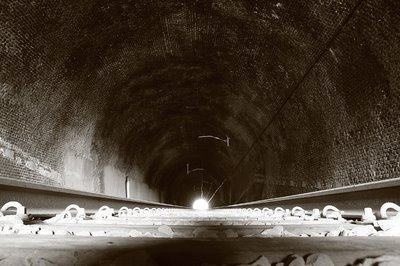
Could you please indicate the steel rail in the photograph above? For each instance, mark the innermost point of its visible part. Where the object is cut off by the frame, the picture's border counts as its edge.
(42, 200)
(350, 199)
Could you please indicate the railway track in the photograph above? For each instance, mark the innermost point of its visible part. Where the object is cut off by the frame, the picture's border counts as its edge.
(351, 199)
(84, 228)
(46, 201)
(166, 236)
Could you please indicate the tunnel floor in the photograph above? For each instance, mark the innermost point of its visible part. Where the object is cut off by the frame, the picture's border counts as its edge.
(77, 250)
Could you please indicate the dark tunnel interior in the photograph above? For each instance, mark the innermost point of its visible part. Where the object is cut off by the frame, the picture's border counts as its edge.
(171, 99)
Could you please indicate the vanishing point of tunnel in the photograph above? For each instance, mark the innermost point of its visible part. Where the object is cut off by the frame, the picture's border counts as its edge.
(169, 100)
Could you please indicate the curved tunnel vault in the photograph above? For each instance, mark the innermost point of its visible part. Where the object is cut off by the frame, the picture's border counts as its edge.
(96, 93)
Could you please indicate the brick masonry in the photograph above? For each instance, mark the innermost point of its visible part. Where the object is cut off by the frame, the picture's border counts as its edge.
(92, 92)
(341, 127)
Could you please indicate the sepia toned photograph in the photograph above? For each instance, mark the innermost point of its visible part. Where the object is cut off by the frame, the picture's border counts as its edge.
(200, 132)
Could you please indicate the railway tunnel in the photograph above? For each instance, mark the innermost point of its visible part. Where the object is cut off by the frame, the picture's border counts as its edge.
(154, 104)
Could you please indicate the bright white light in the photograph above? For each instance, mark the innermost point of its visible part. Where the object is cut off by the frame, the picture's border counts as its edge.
(200, 204)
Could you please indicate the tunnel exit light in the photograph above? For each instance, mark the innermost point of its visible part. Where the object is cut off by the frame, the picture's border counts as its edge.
(200, 204)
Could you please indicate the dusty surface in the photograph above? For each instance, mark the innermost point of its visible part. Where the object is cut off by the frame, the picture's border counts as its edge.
(56, 250)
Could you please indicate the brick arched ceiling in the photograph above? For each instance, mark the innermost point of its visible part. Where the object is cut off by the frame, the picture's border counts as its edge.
(295, 85)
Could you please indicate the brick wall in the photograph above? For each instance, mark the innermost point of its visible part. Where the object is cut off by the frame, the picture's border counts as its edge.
(51, 100)
(342, 125)
(92, 91)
